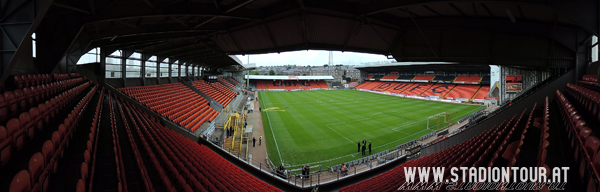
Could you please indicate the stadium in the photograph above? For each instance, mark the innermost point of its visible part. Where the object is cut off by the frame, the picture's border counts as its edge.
(151, 95)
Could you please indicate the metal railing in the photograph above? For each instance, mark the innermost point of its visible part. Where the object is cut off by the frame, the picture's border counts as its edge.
(322, 176)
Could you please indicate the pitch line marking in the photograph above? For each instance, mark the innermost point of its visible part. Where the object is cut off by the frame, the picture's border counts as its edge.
(274, 139)
(339, 134)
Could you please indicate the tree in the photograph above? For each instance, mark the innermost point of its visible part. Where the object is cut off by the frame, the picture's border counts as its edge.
(271, 72)
(303, 74)
(254, 73)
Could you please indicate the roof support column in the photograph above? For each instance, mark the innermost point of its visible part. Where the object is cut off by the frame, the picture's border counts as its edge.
(179, 68)
(193, 72)
(187, 66)
(101, 73)
(125, 54)
(123, 68)
(170, 69)
(159, 61)
(143, 71)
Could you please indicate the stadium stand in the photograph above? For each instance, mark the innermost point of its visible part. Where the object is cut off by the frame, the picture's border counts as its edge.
(19, 100)
(63, 132)
(417, 89)
(275, 85)
(467, 79)
(383, 86)
(361, 86)
(482, 93)
(580, 112)
(439, 90)
(377, 77)
(589, 79)
(226, 91)
(21, 81)
(226, 83)
(22, 146)
(447, 78)
(261, 84)
(372, 85)
(463, 91)
(390, 77)
(292, 84)
(190, 115)
(399, 87)
(194, 167)
(231, 79)
(310, 85)
(212, 92)
(424, 77)
(322, 84)
(406, 77)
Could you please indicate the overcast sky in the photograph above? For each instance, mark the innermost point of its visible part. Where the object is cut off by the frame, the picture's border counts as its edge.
(311, 57)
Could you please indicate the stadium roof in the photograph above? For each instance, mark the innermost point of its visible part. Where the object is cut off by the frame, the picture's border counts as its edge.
(282, 77)
(536, 33)
(424, 66)
(401, 64)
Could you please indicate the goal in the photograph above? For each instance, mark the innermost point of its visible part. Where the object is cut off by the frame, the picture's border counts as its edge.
(440, 121)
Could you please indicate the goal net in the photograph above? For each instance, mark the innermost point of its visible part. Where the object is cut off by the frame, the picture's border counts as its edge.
(440, 121)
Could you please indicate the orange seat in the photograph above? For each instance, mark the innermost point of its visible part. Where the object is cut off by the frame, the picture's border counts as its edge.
(81, 186)
(5, 147)
(26, 125)
(36, 167)
(21, 182)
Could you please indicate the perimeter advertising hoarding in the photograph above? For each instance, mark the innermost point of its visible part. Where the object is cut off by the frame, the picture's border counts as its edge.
(514, 83)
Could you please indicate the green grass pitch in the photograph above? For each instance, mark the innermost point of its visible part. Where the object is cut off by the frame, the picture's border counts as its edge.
(324, 127)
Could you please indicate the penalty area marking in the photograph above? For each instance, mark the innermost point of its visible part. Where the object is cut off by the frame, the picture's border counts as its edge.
(316, 162)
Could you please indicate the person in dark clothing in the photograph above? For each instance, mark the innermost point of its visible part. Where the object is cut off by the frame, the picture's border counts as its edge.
(358, 146)
(303, 170)
(364, 147)
(364, 141)
(253, 141)
(369, 147)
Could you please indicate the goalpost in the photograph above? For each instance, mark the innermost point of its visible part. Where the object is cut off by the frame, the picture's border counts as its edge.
(440, 121)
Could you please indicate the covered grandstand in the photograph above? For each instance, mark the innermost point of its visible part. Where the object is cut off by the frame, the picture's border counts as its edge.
(439, 81)
(288, 83)
(148, 95)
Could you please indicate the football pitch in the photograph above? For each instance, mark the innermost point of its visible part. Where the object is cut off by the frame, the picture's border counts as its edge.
(324, 127)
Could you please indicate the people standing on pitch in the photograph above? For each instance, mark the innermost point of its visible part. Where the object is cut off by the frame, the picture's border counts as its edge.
(307, 170)
(369, 147)
(364, 141)
(253, 141)
(364, 147)
(358, 147)
(260, 140)
(303, 171)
